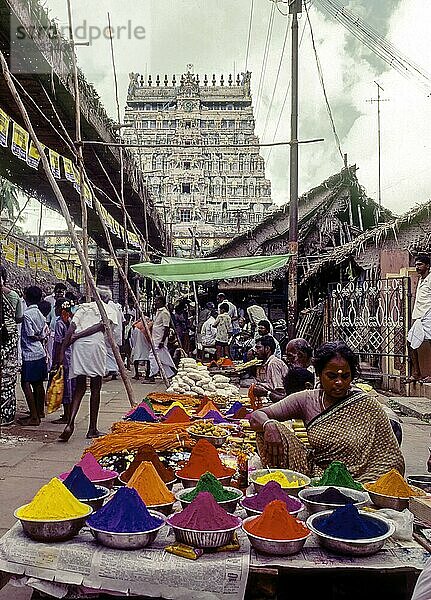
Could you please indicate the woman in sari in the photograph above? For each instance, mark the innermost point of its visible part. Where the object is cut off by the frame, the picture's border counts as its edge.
(343, 423)
(11, 314)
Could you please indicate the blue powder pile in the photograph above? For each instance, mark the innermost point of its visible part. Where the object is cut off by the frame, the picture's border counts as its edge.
(215, 416)
(81, 487)
(125, 513)
(236, 406)
(346, 523)
(140, 414)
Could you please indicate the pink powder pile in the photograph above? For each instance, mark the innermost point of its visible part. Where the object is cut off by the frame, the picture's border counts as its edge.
(92, 469)
(204, 514)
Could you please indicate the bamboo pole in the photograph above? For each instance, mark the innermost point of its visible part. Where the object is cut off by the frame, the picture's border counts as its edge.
(68, 219)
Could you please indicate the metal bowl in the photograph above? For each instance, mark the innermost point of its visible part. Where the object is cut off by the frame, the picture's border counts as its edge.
(128, 541)
(60, 530)
(215, 441)
(97, 503)
(228, 505)
(203, 539)
(363, 547)
(279, 547)
(291, 475)
(252, 512)
(420, 481)
(165, 509)
(394, 502)
(191, 483)
(361, 498)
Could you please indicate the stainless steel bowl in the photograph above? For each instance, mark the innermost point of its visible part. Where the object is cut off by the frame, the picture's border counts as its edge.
(278, 547)
(165, 509)
(191, 483)
(97, 503)
(383, 501)
(215, 441)
(420, 481)
(252, 512)
(228, 505)
(128, 541)
(361, 498)
(363, 547)
(291, 476)
(203, 539)
(60, 530)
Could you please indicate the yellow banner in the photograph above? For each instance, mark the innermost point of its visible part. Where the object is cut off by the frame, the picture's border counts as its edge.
(88, 196)
(19, 141)
(4, 128)
(54, 161)
(31, 259)
(9, 250)
(68, 169)
(21, 256)
(33, 157)
(45, 262)
(38, 255)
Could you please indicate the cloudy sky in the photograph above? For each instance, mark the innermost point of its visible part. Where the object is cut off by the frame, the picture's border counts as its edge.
(213, 37)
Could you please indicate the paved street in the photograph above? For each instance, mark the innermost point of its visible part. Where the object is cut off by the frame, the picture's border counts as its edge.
(33, 456)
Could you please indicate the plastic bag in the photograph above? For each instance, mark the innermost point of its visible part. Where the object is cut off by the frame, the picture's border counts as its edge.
(54, 394)
(403, 521)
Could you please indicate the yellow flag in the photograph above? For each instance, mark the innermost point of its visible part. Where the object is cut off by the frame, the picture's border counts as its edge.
(33, 157)
(9, 250)
(19, 141)
(45, 262)
(38, 254)
(68, 169)
(4, 128)
(54, 161)
(31, 259)
(21, 256)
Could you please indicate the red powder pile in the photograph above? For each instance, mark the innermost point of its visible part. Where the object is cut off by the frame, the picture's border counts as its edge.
(204, 458)
(275, 523)
(147, 454)
(204, 514)
(177, 415)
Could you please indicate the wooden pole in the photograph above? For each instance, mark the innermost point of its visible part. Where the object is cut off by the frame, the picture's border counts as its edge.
(68, 219)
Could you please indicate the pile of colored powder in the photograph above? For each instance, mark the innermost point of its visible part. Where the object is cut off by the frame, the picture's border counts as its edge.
(204, 457)
(347, 523)
(338, 475)
(281, 478)
(241, 413)
(142, 415)
(125, 513)
(148, 454)
(208, 483)
(146, 404)
(332, 496)
(206, 408)
(271, 491)
(177, 415)
(392, 484)
(92, 469)
(173, 405)
(53, 502)
(276, 523)
(215, 416)
(236, 406)
(149, 486)
(204, 514)
(80, 486)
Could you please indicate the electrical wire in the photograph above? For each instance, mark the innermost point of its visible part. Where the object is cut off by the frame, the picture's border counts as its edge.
(265, 58)
(322, 83)
(250, 25)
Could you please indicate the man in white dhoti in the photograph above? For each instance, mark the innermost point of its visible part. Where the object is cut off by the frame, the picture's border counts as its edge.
(160, 333)
(420, 331)
(88, 359)
(141, 348)
(111, 363)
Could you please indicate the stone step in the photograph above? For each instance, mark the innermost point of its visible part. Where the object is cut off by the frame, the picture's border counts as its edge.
(412, 406)
(419, 390)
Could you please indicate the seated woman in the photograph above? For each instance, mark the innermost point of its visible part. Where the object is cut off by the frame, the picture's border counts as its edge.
(343, 423)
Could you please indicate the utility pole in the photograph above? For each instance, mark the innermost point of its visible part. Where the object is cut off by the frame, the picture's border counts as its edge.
(295, 7)
(379, 146)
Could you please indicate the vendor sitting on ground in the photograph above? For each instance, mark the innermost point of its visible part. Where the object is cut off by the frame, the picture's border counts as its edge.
(272, 372)
(264, 328)
(343, 423)
(299, 377)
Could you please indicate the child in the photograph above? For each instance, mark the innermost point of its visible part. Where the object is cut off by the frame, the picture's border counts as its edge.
(223, 324)
(63, 313)
(34, 369)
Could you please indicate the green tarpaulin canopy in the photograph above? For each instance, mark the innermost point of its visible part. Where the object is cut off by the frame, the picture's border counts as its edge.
(210, 269)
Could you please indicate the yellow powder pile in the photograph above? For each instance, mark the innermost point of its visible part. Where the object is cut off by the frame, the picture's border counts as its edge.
(53, 502)
(392, 484)
(146, 481)
(281, 478)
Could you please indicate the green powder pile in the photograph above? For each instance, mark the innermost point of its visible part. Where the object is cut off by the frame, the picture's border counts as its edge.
(338, 475)
(208, 483)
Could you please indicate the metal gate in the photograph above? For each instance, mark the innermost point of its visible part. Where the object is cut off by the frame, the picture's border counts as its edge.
(373, 317)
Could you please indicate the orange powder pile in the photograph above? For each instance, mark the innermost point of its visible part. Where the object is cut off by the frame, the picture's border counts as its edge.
(204, 458)
(392, 484)
(149, 486)
(206, 408)
(177, 415)
(275, 523)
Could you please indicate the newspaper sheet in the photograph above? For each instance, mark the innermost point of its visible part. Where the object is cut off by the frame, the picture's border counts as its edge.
(393, 555)
(150, 572)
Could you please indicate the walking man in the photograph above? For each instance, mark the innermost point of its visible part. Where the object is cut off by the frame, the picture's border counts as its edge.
(160, 334)
(420, 331)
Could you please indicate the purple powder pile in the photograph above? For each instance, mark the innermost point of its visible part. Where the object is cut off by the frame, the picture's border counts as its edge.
(332, 496)
(348, 524)
(215, 416)
(236, 406)
(80, 486)
(141, 414)
(271, 491)
(125, 513)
